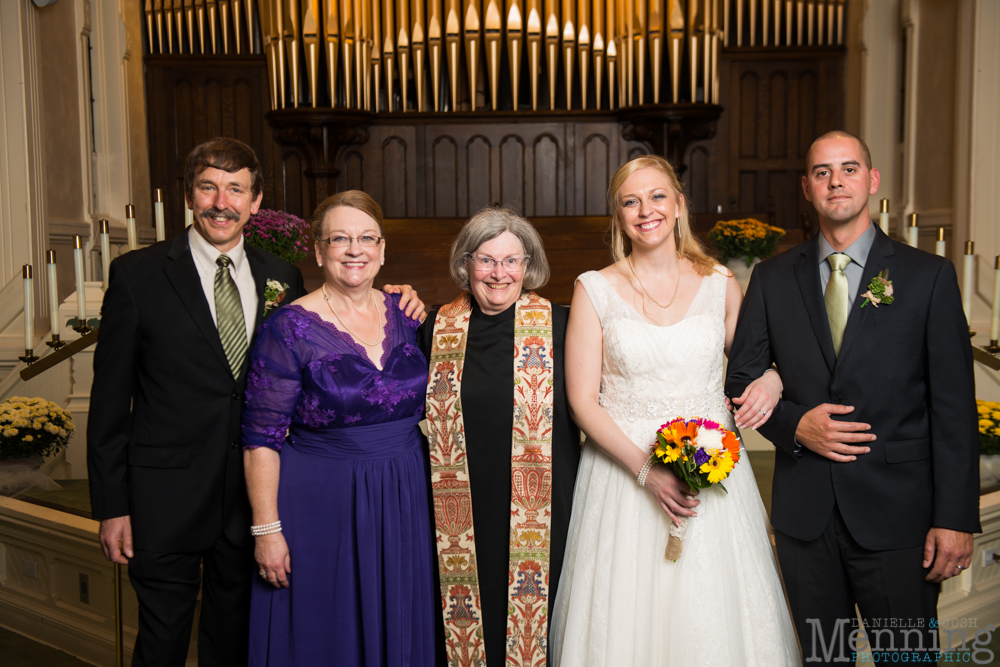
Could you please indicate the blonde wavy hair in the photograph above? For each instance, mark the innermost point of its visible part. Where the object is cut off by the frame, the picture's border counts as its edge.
(688, 247)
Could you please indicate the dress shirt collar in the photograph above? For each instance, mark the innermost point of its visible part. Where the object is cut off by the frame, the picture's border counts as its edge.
(205, 253)
(857, 251)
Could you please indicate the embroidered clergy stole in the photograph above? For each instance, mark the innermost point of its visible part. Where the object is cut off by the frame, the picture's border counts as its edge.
(531, 485)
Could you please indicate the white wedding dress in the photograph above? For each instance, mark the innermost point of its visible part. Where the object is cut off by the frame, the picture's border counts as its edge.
(620, 603)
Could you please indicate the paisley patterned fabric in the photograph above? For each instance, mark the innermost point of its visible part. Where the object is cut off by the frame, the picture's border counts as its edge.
(531, 485)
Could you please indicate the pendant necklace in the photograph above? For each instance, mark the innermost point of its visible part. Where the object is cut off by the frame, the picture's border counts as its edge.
(643, 288)
(381, 332)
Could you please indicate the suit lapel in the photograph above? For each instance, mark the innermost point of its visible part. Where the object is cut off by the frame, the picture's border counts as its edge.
(183, 275)
(807, 275)
(257, 269)
(879, 259)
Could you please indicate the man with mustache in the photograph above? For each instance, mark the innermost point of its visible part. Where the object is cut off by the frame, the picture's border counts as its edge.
(166, 470)
(164, 455)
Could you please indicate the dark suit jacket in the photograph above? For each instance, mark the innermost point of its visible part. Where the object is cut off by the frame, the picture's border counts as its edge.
(907, 370)
(163, 437)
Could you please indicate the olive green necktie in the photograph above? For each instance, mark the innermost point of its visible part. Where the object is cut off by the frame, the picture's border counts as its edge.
(229, 314)
(837, 301)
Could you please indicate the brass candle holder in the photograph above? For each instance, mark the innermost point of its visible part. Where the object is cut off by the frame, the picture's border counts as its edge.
(55, 343)
(993, 347)
(29, 357)
(83, 328)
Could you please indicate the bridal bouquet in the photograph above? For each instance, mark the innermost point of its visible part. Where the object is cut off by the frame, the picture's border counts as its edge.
(700, 452)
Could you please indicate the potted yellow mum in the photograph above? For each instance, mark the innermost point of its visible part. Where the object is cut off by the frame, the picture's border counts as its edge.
(742, 244)
(989, 442)
(30, 430)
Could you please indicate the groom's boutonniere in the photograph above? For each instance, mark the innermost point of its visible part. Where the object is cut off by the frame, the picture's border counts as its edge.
(274, 294)
(879, 291)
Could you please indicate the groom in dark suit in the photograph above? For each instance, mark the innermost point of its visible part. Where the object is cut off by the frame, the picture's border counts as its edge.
(166, 470)
(876, 484)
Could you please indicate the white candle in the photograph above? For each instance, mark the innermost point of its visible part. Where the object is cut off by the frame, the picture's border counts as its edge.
(967, 268)
(133, 238)
(995, 319)
(883, 216)
(188, 216)
(939, 248)
(53, 294)
(81, 297)
(161, 232)
(912, 231)
(105, 253)
(29, 310)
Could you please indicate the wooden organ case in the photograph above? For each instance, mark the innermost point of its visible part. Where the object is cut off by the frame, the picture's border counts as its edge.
(440, 107)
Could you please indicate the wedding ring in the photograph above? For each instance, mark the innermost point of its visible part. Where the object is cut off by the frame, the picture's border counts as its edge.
(262, 573)
(960, 567)
(763, 412)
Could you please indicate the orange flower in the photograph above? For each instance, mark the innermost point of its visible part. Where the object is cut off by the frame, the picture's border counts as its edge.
(679, 431)
(732, 445)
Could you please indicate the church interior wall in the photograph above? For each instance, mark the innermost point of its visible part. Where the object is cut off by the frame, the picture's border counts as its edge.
(921, 83)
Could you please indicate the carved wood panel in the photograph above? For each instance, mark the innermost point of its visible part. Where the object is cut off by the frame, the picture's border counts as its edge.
(415, 166)
(776, 104)
(541, 169)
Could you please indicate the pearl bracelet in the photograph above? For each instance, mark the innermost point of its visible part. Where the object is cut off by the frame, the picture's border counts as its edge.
(644, 470)
(265, 529)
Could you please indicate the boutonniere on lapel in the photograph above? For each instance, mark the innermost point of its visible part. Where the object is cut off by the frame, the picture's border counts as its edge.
(274, 294)
(879, 291)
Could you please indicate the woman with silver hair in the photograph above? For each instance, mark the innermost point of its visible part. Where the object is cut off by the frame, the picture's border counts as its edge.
(503, 449)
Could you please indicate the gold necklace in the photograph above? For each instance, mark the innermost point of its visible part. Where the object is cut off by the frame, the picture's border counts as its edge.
(643, 288)
(381, 331)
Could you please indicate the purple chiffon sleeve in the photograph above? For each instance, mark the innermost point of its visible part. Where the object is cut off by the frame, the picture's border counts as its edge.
(274, 383)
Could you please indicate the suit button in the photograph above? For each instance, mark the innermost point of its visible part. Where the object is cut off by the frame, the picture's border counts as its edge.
(233, 445)
(837, 399)
(237, 396)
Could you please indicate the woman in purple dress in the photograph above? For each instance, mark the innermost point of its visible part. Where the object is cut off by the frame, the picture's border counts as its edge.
(335, 466)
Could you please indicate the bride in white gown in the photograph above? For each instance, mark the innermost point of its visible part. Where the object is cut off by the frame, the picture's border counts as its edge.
(644, 345)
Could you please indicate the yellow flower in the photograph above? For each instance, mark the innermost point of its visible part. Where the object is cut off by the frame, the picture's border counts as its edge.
(667, 451)
(29, 438)
(985, 423)
(10, 432)
(718, 467)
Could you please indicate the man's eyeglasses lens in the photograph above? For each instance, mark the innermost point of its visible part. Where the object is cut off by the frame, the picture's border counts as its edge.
(344, 241)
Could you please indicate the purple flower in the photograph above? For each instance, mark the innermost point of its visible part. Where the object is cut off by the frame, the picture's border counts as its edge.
(279, 233)
(701, 457)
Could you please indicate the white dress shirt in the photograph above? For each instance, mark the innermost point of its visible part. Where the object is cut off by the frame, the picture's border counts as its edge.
(205, 254)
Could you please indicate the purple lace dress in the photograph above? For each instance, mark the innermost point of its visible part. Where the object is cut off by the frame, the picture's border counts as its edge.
(353, 495)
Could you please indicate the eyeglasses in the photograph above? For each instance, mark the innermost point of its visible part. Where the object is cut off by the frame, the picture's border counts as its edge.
(341, 241)
(508, 264)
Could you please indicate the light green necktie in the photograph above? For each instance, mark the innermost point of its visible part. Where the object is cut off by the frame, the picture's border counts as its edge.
(229, 314)
(837, 300)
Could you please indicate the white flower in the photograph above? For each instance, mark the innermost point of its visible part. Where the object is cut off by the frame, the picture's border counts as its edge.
(709, 438)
